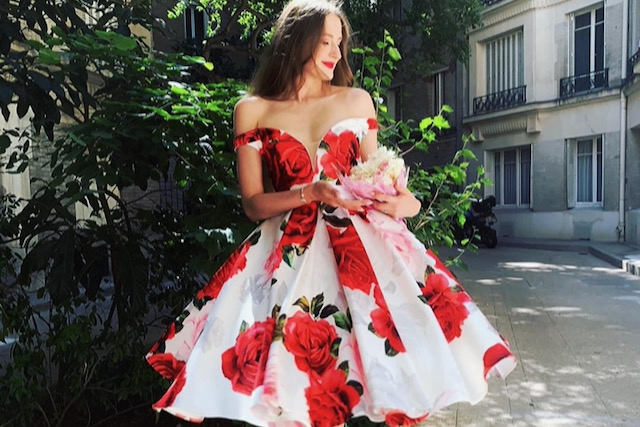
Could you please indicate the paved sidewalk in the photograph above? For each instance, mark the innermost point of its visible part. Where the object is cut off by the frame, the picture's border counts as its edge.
(621, 255)
(572, 320)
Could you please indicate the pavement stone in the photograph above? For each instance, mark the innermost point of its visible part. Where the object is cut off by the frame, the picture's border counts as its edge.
(571, 313)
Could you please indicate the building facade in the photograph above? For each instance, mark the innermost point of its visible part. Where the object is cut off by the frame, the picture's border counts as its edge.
(552, 96)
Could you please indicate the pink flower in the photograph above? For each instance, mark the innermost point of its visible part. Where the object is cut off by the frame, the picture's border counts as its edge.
(193, 324)
(379, 174)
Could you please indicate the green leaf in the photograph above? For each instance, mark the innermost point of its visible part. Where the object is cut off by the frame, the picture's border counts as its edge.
(255, 236)
(344, 367)
(275, 311)
(77, 139)
(243, 327)
(287, 255)
(342, 321)
(119, 41)
(440, 122)
(184, 109)
(316, 304)
(303, 303)
(389, 351)
(60, 278)
(328, 310)
(49, 57)
(425, 123)
(335, 347)
(178, 88)
(133, 271)
(394, 54)
(5, 143)
(373, 330)
(357, 386)
(337, 222)
(448, 240)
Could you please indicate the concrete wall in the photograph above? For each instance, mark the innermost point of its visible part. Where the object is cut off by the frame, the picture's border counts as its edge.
(633, 146)
(633, 227)
(11, 183)
(575, 224)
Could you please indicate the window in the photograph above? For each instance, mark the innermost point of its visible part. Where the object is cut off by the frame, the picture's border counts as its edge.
(588, 49)
(396, 10)
(512, 176)
(438, 92)
(584, 171)
(589, 170)
(195, 23)
(394, 103)
(505, 63)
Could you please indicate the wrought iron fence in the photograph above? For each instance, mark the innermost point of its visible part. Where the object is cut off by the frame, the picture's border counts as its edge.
(596, 80)
(631, 64)
(500, 100)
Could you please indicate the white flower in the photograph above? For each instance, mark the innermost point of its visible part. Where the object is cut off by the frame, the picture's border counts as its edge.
(379, 173)
(383, 165)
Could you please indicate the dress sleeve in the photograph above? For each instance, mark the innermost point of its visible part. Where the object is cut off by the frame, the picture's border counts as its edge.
(253, 138)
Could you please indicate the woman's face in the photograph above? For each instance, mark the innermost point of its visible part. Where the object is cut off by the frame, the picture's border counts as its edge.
(327, 53)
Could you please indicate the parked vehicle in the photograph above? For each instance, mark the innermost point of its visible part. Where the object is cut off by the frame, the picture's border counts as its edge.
(479, 220)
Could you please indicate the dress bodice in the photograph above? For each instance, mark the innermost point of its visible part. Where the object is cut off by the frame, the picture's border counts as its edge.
(289, 162)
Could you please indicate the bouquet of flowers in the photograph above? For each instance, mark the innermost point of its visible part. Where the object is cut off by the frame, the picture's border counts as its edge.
(379, 174)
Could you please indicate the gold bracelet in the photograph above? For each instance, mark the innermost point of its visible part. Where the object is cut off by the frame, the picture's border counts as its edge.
(302, 198)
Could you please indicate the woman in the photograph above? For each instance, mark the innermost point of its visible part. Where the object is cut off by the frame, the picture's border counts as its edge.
(331, 308)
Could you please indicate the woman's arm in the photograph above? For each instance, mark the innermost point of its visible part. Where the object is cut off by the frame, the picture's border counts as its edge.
(259, 204)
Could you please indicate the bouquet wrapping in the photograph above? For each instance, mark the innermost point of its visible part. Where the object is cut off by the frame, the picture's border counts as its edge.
(379, 174)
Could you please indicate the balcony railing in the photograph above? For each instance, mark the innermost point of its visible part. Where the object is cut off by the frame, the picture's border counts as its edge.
(631, 65)
(500, 100)
(584, 83)
(490, 2)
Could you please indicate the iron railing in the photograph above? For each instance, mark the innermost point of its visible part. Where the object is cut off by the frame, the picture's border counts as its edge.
(584, 83)
(500, 100)
(631, 64)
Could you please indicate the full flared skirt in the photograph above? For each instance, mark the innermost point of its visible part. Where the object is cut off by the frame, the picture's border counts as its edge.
(322, 315)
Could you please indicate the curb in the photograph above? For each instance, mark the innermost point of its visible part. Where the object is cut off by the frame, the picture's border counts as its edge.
(625, 257)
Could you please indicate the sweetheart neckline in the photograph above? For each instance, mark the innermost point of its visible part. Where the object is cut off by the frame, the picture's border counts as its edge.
(284, 132)
(312, 159)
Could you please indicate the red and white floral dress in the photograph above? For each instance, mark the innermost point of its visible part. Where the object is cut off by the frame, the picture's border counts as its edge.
(321, 315)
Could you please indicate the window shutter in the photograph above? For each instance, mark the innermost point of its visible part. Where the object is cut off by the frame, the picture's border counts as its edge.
(572, 173)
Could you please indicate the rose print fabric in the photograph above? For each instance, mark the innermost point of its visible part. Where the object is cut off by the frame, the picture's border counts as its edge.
(321, 315)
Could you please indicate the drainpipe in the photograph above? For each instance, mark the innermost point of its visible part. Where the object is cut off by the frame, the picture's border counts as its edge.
(623, 122)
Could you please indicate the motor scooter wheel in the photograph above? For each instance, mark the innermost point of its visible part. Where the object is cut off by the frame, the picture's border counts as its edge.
(489, 238)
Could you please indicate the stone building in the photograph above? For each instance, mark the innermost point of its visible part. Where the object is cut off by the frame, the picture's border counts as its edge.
(552, 95)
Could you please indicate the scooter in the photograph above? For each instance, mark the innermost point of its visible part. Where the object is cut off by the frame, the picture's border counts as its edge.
(479, 220)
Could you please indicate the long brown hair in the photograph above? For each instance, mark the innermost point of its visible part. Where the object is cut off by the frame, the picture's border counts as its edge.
(297, 33)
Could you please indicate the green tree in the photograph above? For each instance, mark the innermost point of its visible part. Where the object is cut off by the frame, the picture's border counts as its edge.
(447, 191)
(133, 119)
(431, 32)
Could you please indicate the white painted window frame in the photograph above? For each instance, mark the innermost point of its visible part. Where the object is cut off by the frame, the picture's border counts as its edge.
(497, 174)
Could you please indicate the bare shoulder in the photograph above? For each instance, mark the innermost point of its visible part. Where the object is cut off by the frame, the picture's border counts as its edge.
(247, 113)
(357, 101)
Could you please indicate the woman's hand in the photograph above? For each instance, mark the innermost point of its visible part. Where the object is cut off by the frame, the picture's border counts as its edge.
(404, 205)
(324, 192)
